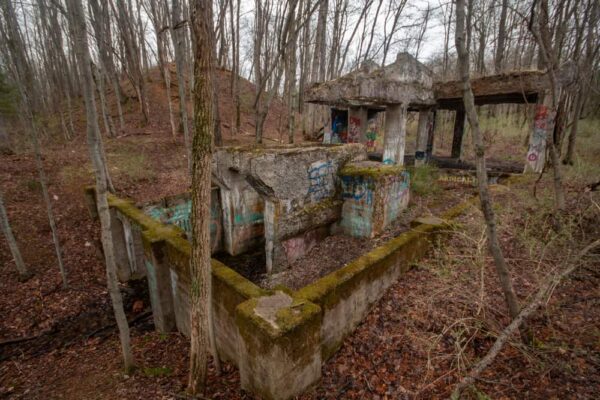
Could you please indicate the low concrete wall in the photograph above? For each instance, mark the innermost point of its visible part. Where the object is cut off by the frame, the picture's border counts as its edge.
(280, 339)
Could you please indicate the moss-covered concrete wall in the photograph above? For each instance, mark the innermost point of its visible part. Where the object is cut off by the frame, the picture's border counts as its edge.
(280, 339)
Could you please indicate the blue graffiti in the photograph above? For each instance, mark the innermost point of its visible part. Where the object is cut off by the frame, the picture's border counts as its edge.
(357, 189)
(319, 177)
(388, 161)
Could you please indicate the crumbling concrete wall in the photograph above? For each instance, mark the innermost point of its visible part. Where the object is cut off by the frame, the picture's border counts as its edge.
(177, 210)
(299, 188)
(278, 340)
(374, 195)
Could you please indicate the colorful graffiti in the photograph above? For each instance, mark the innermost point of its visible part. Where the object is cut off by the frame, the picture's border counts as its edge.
(536, 154)
(338, 129)
(321, 180)
(371, 135)
(358, 188)
(354, 130)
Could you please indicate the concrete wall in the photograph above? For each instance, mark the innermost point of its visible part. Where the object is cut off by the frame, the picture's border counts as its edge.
(177, 210)
(298, 187)
(278, 340)
(374, 196)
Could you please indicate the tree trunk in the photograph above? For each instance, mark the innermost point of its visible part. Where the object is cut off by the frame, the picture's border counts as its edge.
(201, 298)
(498, 59)
(177, 36)
(482, 178)
(94, 143)
(24, 273)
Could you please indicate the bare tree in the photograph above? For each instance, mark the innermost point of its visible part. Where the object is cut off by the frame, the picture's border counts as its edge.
(23, 73)
(24, 273)
(79, 31)
(482, 177)
(203, 35)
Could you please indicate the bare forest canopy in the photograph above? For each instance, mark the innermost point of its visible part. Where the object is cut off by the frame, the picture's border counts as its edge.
(282, 47)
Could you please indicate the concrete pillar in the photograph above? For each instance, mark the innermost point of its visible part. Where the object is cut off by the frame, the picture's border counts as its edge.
(357, 124)
(431, 134)
(327, 129)
(395, 134)
(159, 286)
(459, 130)
(272, 244)
(543, 125)
(422, 133)
(120, 248)
(134, 247)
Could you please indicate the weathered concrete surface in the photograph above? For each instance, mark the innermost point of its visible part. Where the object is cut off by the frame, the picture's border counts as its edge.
(543, 126)
(278, 340)
(405, 81)
(177, 210)
(297, 185)
(280, 347)
(394, 140)
(374, 195)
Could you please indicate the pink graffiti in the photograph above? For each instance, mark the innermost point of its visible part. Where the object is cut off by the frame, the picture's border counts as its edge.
(354, 130)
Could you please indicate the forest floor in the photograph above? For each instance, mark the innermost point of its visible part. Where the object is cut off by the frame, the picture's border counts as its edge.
(419, 339)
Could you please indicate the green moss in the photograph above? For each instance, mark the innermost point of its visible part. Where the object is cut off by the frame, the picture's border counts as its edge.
(373, 171)
(313, 208)
(288, 319)
(235, 281)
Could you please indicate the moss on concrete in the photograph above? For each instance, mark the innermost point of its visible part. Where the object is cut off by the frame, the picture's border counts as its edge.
(371, 169)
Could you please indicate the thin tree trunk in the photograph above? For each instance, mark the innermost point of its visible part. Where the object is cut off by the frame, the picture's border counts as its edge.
(201, 297)
(98, 162)
(24, 273)
(177, 35)
(482, 178)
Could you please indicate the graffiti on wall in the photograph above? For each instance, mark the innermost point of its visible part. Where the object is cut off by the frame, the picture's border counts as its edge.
(357, 188)
(338, 129)
(321, 180)
(354, 130)
(537, 142)
(371, 135)
(396, 196)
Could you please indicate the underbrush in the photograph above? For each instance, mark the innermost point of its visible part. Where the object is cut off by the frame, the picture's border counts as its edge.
(469, 308)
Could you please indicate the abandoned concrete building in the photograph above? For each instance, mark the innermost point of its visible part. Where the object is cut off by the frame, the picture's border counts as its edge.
(286, 199)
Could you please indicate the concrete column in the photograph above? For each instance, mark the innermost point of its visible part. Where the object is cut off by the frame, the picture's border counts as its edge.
(422, 133)
(431, 134)
(272, 245)
(327, 128)
(357, 124)
(159, 286)
(543, 125)
(118, 238)
(395, 134)
(459, 130)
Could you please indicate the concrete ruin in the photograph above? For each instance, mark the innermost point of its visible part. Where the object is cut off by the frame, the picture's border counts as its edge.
(278, 339)
(406, 85)
(286, 199)
(355, 98)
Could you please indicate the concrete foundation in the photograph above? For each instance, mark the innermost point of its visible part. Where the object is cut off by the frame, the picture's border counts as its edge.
(278, 339)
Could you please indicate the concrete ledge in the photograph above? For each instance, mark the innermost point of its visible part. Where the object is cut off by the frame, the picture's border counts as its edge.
(280, 353)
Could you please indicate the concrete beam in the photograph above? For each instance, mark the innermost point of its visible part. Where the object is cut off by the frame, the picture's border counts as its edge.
(395, 134)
